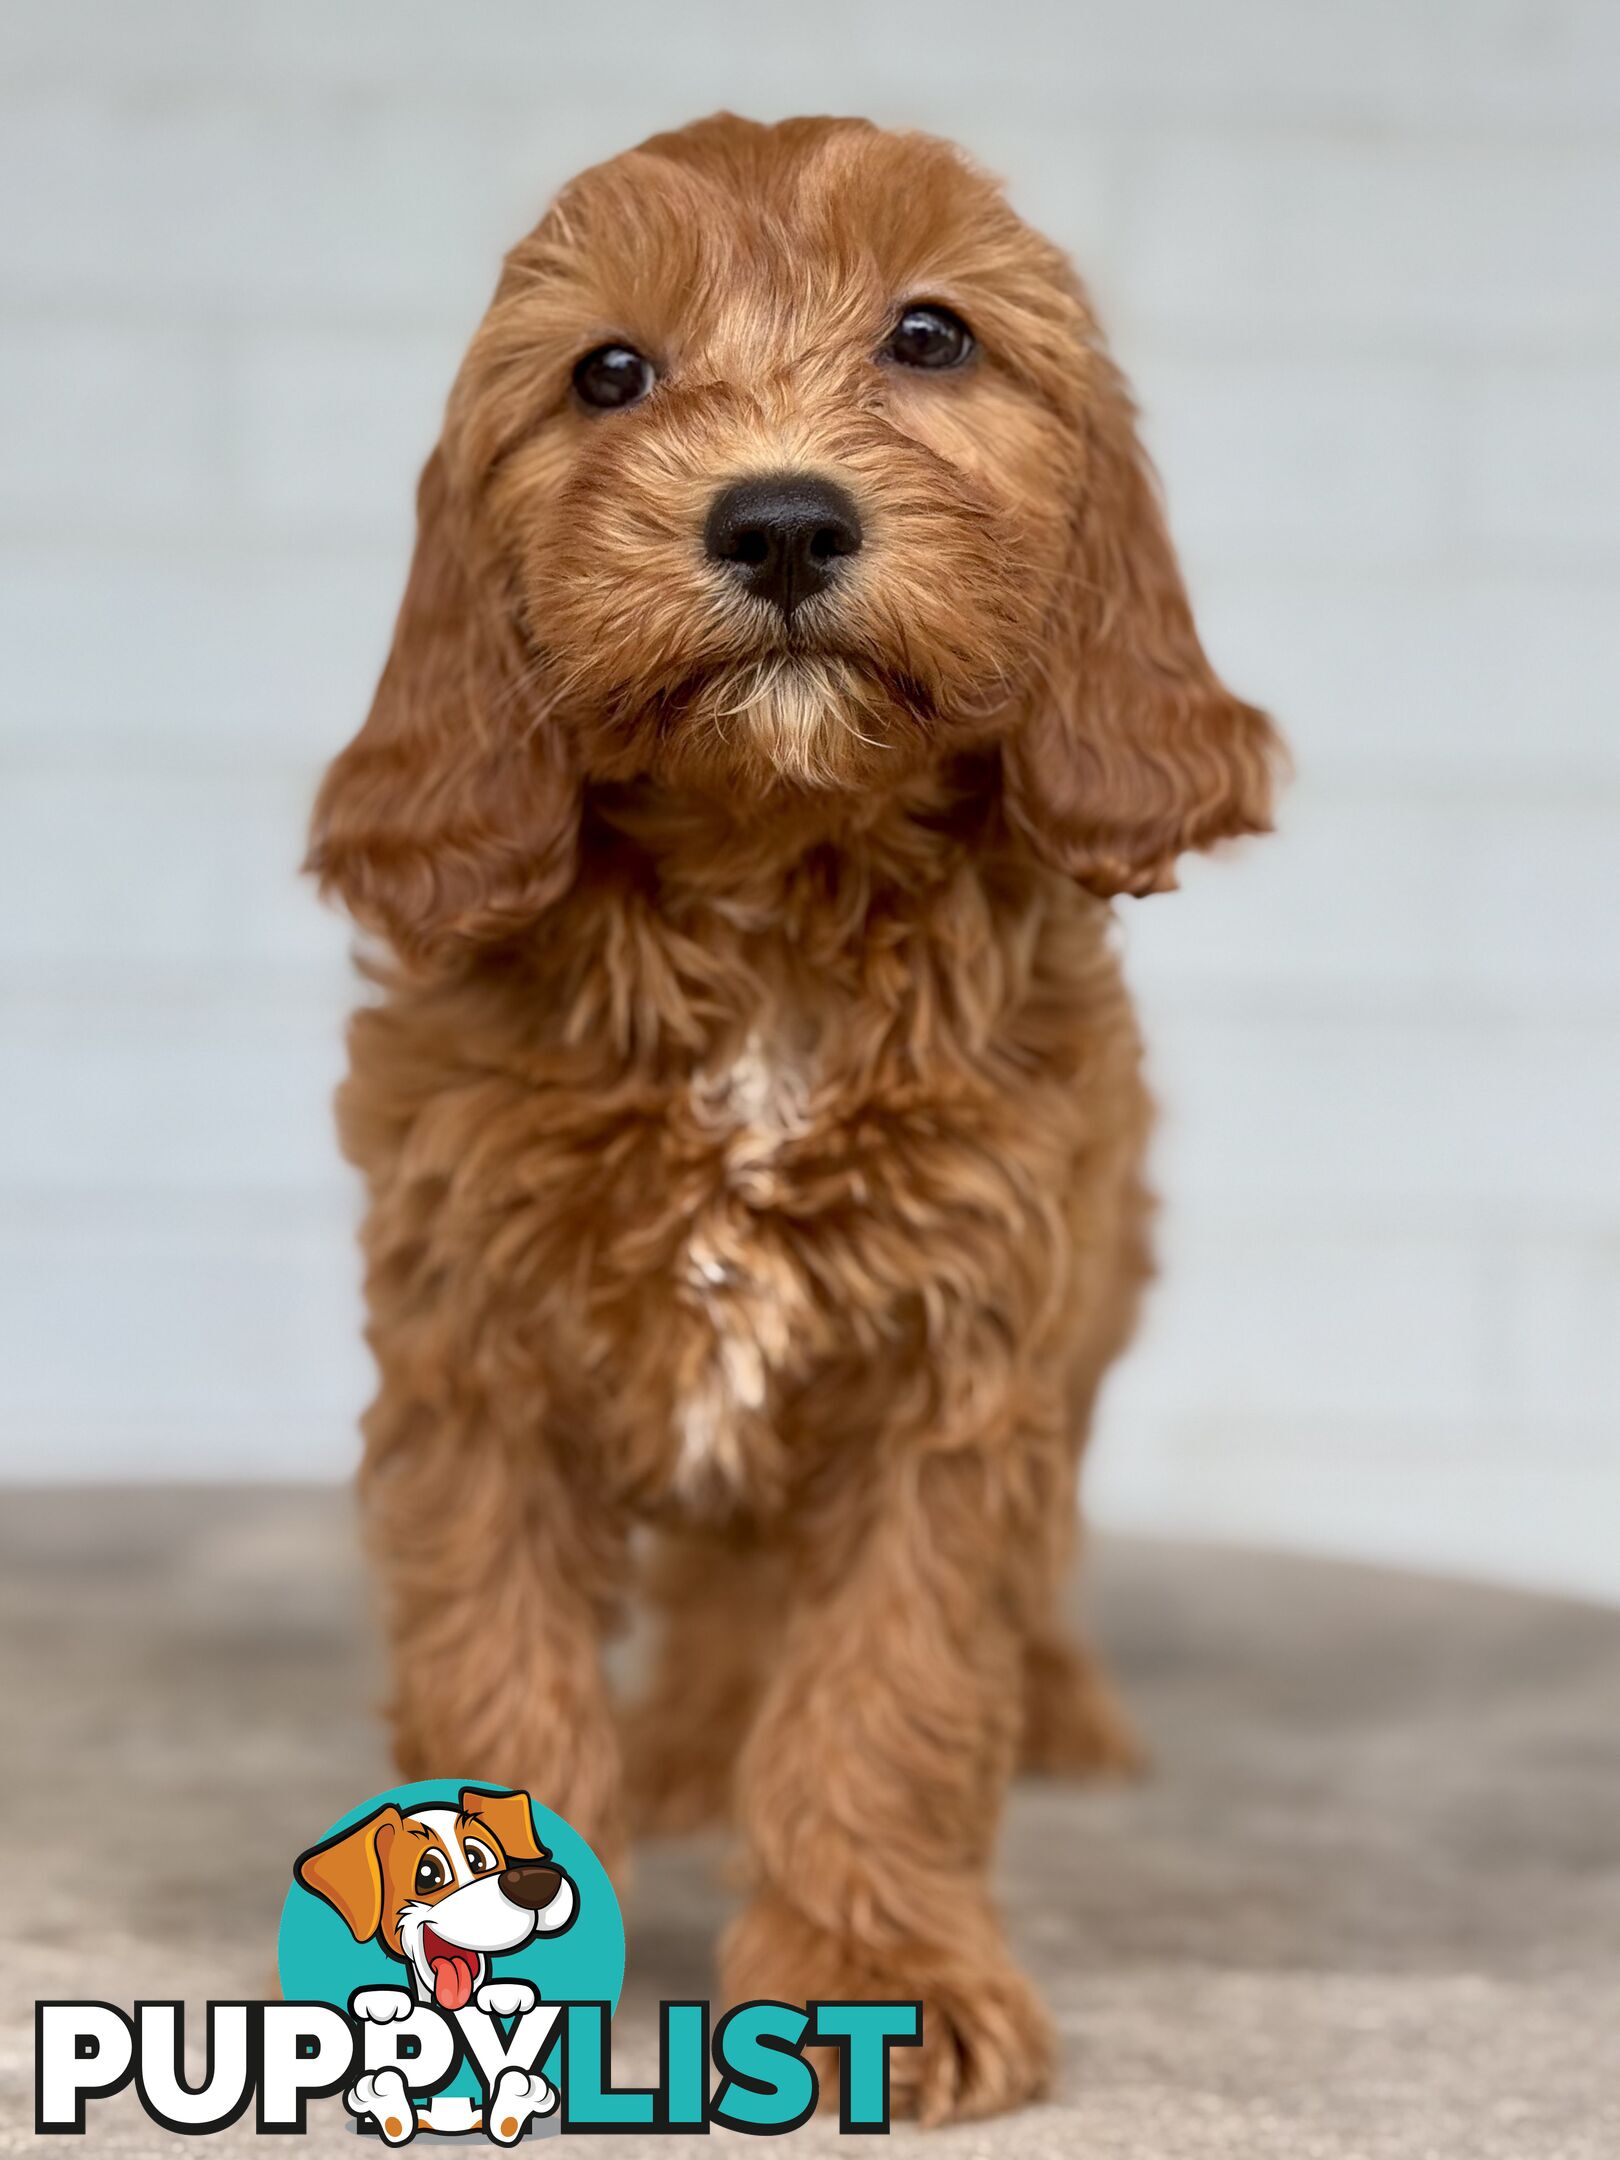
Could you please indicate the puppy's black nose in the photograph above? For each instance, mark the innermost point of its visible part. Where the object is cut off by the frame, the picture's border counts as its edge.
(781, 534)
(531, 1883)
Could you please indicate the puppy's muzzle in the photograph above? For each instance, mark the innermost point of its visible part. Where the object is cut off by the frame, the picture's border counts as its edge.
(782, 535)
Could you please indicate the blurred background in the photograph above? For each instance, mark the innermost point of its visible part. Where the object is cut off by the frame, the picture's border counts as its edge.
(1363, 264)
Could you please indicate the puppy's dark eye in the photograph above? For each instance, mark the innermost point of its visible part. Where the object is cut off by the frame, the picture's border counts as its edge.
(612, 376)
(431, 1873)
(930, 337)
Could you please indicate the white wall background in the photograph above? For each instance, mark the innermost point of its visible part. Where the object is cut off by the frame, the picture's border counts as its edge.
(1363, 260)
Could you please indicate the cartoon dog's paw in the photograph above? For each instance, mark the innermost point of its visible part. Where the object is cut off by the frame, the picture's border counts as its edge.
(520, 2098)
(506, 1998)
(382, 2099)
(381, 2005)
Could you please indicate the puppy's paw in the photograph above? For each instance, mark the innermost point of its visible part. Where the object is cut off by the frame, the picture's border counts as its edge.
(382, 2099)
(1075, 1725)
(506, 1998)
(987, 2043)
(381, 2005)
(520, 2098)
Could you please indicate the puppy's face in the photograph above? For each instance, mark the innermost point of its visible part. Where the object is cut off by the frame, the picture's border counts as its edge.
(444, 1889)
(787, 462)
(777, 434)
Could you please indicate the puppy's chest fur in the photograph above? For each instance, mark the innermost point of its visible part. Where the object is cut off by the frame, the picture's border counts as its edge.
(710, 1198)
(742, 1280)
(743, 1250)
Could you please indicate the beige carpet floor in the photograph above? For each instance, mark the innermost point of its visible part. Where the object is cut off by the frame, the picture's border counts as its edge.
(1367, 1906)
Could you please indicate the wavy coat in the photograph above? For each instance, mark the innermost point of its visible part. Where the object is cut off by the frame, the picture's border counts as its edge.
(751, 1112)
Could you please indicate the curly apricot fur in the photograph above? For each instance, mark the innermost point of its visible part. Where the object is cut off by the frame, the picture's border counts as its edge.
(751, 1113)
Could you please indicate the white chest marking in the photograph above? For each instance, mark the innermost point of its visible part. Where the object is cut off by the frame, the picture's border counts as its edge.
(736, 1278)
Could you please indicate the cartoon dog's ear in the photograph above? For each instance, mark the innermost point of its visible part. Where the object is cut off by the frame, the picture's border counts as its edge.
(1137, 751)
(507, 1815)
(452, 818)
(348, 1871)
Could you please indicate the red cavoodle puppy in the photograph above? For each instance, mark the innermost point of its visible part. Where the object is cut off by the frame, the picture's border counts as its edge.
(793, 666)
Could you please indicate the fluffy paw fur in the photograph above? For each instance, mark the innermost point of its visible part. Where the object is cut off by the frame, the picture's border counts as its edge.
(987, 2042)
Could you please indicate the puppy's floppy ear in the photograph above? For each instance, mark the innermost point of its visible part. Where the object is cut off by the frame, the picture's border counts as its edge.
(508, 1816)
(1135, 750)
(348, 1870)
(452, 818)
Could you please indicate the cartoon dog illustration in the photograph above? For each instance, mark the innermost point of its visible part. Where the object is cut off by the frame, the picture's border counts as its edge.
(444, 1890)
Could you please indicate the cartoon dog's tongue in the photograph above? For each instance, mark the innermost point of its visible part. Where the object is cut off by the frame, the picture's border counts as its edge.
(453, 1980)
(454, 1970)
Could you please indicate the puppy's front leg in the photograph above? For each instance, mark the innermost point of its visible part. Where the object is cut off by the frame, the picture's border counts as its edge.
(871, 1785)
(499, 1578)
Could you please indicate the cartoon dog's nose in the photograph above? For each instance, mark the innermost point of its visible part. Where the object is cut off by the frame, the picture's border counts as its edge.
(781, 534)
(530, 1883)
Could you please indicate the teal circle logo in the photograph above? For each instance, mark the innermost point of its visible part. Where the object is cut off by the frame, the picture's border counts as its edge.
(444, 1892)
